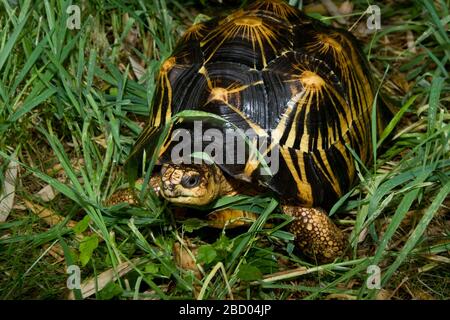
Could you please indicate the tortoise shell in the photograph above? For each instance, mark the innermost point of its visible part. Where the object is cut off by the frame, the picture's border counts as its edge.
(270, 68)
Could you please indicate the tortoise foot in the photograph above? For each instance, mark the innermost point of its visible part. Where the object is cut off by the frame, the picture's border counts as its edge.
(122, 196)
(230, 218)
(315, 234)
(129, 195)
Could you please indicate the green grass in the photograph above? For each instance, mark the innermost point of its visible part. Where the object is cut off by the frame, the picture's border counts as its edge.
(71, 96)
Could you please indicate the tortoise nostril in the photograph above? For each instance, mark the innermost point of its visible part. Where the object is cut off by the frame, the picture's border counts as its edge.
(168, 186)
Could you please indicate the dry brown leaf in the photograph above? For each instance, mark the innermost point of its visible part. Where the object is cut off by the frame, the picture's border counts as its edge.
(384, 295)
(132, 38)
(88, 288)
(437, 258)
(47, 193)
(50, 217)
(288, 274)
(346, 8)
(138, 69)
(334, 11)
(185, 258)
(399, 80)
(57, 169)
(419, 294)
(362, 235)
(101, 141)
(56, 252)
(427, 267)
(411, 41)
(340, 296)
(315, 8)
(9, 189)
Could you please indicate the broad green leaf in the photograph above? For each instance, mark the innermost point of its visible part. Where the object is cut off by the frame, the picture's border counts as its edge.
(192, 224)
(82, 225)
(248, 272)
(206, 254)
(110, 291)
(87, 247)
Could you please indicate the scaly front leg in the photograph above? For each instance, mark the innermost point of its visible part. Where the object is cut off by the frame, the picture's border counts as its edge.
(128, 195)
(230, 218)
(315, 234)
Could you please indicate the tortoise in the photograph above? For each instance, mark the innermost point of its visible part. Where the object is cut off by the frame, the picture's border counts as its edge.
(269, 69)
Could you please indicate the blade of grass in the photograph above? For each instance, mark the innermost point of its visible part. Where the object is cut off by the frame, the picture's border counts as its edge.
(398, 116)
(417, 233)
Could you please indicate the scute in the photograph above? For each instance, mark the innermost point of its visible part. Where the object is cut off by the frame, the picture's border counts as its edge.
(280, 9)
(252, 38)
(272, 69)
(308, 84)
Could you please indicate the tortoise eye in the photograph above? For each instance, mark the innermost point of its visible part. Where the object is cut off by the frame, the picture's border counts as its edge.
(190, 181)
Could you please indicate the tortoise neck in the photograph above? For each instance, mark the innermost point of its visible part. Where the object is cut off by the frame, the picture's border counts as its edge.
(230, 186)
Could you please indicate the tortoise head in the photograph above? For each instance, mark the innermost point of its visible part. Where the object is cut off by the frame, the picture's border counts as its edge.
(190, 184)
